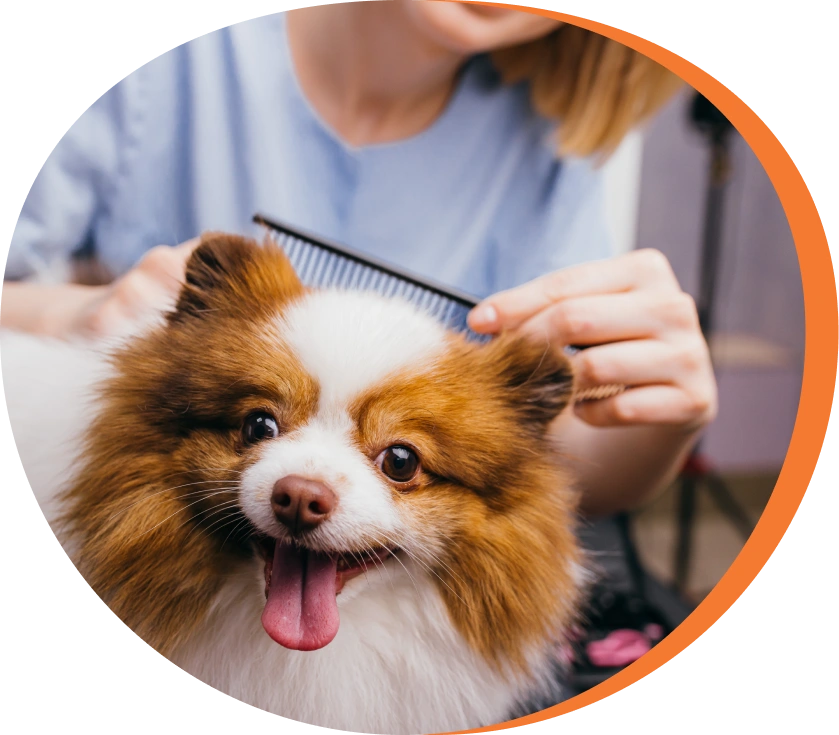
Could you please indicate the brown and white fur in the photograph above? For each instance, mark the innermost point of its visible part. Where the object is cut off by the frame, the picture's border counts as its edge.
(140, 463)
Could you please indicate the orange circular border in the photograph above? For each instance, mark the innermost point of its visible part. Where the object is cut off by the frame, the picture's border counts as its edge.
(820, 360)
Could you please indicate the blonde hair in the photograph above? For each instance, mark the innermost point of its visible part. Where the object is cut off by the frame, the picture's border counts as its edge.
(596, 88)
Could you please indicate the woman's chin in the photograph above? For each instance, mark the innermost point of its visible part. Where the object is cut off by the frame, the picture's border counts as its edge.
(471, 29)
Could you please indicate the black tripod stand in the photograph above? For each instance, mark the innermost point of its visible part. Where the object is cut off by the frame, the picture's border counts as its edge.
(698, 473)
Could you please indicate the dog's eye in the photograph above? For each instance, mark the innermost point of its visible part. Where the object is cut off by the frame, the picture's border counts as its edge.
(399, 463)
(259, 426)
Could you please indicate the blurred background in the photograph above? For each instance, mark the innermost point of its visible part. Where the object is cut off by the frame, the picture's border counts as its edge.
(657, 196)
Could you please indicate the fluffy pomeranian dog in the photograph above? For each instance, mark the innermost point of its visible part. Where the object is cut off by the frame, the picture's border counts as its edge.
(320, 502)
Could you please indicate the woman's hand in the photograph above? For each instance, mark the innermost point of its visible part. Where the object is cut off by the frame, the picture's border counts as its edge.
(119, 308)
(640, 329)
(149, 288)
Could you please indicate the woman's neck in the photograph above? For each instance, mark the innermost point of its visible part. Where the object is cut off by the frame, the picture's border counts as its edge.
(369, 74)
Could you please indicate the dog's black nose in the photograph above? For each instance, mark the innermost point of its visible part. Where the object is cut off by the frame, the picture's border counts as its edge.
(301, 504)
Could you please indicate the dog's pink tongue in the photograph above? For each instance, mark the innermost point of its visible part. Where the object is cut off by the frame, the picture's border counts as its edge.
(301, 611)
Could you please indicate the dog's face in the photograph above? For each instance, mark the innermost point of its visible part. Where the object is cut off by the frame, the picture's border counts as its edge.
(318, 435)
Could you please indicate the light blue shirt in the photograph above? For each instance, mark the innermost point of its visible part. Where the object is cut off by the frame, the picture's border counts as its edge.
(214, 131)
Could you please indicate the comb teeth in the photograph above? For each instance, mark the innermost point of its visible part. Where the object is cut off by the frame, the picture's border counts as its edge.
(323, 266)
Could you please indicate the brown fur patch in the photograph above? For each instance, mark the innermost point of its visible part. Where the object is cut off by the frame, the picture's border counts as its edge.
(491, 485)
(152, 510)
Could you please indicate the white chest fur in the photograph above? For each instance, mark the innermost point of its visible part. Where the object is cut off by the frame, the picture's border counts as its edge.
(396, 665)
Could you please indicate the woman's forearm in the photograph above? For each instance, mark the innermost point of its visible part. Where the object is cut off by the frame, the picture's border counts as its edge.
(620, 468)
(42, 309)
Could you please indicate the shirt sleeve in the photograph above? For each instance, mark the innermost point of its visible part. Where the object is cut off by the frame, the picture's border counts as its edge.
(72, 189)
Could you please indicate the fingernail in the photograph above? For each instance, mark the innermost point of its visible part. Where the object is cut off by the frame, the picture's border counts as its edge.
(483, 316)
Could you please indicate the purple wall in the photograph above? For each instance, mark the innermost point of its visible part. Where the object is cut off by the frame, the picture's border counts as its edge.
(759, 307)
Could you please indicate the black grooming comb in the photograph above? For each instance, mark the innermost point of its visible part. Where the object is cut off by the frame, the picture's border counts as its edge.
(324, 264)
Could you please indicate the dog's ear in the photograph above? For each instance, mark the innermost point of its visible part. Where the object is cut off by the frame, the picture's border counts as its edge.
(237, 276)
(536, 378)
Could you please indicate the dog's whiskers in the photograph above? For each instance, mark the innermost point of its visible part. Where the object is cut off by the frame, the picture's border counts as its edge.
(172, 515)
(393, 555)
(427, 567)
(437, 560)
(166, 490)
(195, 470)
(220, 523)
(215, 510)
(379, 563)
(244, 521)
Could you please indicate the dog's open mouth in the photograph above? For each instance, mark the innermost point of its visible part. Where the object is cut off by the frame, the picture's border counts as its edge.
(301, 585)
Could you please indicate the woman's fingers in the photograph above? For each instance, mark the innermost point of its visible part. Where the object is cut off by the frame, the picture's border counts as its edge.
(641, 331)
(592, 320)
(167, 264)
(655, 404)
(640, 269)
(642, 362)
(141, 295)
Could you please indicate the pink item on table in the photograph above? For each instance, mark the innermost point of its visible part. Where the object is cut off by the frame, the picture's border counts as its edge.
(654, 631)
(619, 648)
